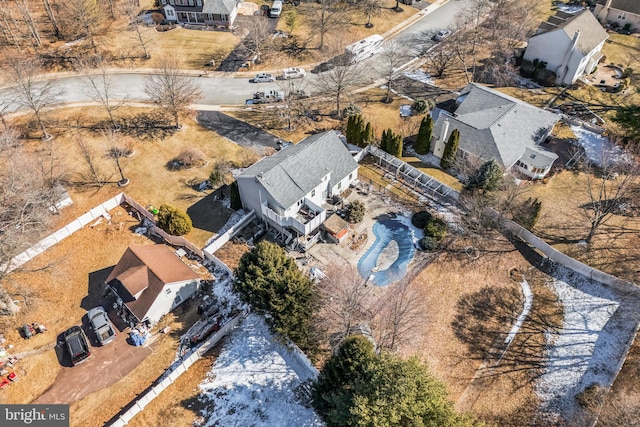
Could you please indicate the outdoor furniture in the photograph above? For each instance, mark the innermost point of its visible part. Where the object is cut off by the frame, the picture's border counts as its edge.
(4, 382)
(12, 377)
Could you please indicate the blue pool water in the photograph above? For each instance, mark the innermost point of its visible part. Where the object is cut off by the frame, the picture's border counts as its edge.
(386, 231)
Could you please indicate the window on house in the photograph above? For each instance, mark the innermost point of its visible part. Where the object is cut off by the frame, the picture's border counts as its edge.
(339, 185)
(191, 3)
(164, 1)
(167, 291)
(350, 176)
(622, 16)
(313, 193)
(178, 299)
(172, 2)
(199, 2)
(169, 12)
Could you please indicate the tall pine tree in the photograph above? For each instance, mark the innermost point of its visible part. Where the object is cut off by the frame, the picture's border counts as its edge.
(368, 135)
(423, 139)
(450, 150)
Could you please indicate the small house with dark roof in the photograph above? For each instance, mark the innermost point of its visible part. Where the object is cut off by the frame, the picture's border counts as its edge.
(569, 44)
(495, 126)
(288, 190)
(621, 12)
(203, 12)
(151, 280)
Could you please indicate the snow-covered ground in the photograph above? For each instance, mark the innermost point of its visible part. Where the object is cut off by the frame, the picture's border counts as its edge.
(589, 348)
(251, 384)
(598, 148)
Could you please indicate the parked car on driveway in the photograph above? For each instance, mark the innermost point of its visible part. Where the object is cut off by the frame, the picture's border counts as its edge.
(101, 325)
(76, 343)
(441, 35)
(264, 78)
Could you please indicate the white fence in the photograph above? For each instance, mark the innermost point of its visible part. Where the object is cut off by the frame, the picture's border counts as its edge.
(63, 233)
(174, 372)
(220, 240)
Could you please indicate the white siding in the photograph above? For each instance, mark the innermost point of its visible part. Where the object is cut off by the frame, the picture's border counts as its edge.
(165, 302)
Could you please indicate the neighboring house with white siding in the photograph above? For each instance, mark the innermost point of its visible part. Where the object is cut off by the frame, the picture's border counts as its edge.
(204, 12)
(569, 44)
(622, 12)
(288, 190)
(152, 280)
(495, 126)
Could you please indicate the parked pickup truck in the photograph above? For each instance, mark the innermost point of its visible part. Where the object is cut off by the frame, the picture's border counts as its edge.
(292, 73)
(265, 97)
(76, 342)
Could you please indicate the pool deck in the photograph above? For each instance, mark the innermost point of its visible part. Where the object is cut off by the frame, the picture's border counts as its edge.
(377, 204)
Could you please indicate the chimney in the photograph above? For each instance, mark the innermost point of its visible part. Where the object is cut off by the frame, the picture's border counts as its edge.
(444, 130)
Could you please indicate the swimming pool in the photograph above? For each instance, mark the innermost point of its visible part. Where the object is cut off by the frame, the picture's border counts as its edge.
(386, 231)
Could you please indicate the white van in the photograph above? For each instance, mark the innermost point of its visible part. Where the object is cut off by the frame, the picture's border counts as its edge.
(365, 48)
(276, 9)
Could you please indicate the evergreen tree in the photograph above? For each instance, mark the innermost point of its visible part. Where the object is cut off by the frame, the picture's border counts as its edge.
(234, 196)
(397, 145)
(357, 387)
(384, 140)
(450, 150)
(528, 213)
(350, 128)
(423, 139)
(358, 130)
(271, 282)
(488, 177)
(368, 135)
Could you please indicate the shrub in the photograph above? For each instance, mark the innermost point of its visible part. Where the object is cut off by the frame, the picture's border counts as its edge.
(420, 219)
(436, 228)
(219, 173)
(188, 158)
(351, 110)
(355, 211)
(428, 244)
(488, 177)
(174, 221)
(421, 106)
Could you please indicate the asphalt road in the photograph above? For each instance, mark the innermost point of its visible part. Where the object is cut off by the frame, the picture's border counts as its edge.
(221, 90)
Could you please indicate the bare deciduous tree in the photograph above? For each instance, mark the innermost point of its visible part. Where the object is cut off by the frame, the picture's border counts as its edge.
(339, 81)
(52, 19)
(170, 90)
(330, 16)
(117, 148)
(610, 188)
(345, 300)
(25, 198)
(99, 88)
(398, 315)
(31, 90)
(94, 173)
(29, 22)
(294, 103)
(131, 9)
(389, 61)
(83, 20)
(258, 38)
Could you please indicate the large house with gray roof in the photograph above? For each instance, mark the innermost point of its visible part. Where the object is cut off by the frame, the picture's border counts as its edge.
(569, 44)
(206, 12)
(621, 12)
(495, 126)
(288, 189)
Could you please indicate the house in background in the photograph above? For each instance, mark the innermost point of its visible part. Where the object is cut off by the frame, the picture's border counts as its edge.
(622, 12)
(288, 189)
(205, 12)
(493, 125)
(151, 280)
(569, 44)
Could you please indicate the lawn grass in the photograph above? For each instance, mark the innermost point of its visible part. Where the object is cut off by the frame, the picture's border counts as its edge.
(151, 183)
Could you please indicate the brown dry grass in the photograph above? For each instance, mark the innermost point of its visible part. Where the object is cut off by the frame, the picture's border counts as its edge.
(151, 183)
(562, 224)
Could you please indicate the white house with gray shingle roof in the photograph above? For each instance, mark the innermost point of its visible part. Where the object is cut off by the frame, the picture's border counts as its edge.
(570, 45)
(493, 125)
(205, 12)
(288, 189)
(621, 12)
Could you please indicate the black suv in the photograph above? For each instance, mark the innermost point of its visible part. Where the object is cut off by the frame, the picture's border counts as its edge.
(76, 342)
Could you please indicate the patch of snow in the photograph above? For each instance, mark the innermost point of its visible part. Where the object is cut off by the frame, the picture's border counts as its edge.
(589, 347)
(420, 76)
(528, 302)
(252, 385)
(568, 8)
(598, 148)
